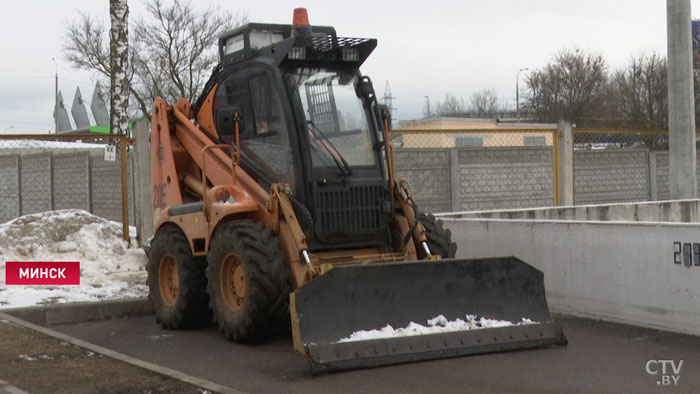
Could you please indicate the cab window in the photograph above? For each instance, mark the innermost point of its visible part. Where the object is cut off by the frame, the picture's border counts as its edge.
(263, 131)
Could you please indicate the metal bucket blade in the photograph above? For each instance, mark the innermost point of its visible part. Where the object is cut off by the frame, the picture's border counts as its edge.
(364, 297)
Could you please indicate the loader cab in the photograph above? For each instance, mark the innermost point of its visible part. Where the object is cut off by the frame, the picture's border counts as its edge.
(310, 119)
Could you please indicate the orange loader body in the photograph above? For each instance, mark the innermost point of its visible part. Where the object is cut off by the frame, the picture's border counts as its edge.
(276, 205)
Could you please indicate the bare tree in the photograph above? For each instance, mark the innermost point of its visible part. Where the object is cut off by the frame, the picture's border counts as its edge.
(451, 106)
(640, 92)
(484, 102)
(570, 87)
(173, 49)
(118, 55)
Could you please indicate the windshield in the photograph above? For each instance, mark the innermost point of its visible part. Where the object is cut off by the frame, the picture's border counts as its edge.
(336, 121)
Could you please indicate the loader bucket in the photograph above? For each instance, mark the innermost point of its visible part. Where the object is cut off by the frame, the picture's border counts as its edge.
(353, 298)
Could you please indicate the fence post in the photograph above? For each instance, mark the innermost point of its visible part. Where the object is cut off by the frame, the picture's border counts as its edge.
(91, 207)
(123, 144)
(143, 216)
(565, 163)
(455, 180)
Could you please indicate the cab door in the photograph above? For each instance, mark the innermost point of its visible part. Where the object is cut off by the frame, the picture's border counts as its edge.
(264, 134)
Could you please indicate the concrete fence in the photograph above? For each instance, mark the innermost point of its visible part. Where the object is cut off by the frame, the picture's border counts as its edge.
(464, 179)
(456, 179)
(444, 179)
(38, 182)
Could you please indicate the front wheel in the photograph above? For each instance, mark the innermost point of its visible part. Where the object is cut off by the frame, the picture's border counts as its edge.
(176, 281)
(247, 281)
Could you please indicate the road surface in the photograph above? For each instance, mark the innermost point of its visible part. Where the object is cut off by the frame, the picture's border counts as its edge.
(601, 357)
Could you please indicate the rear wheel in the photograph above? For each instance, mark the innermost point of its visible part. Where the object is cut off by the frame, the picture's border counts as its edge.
(439, 239)
(248, 288)
(176, 281)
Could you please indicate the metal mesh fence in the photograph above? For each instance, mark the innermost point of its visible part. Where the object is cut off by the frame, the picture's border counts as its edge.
(601, 139)
(66, 171)
(473, 138)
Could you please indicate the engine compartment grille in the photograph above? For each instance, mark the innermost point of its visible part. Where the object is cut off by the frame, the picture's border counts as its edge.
(352, 211)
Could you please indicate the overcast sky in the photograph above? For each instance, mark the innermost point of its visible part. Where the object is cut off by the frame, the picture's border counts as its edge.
(424, 48)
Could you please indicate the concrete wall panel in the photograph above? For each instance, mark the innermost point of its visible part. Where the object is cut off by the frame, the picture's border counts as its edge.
(71, 181)
(35, 181)
(622, 272)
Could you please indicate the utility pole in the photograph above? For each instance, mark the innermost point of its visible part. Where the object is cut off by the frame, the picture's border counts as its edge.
(517, 94)
(681, 102)
(427, 102)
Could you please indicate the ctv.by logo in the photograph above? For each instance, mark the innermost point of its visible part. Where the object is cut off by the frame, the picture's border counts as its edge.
(653, 367)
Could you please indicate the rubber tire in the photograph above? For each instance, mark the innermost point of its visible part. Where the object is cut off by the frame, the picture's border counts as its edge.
(191, 308)
(439, 239)
(265, 309)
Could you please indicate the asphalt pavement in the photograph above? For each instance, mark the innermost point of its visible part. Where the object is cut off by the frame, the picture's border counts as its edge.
(600, 358)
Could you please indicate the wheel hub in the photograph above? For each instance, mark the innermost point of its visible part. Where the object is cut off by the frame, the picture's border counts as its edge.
(168, 280)
(233, 282)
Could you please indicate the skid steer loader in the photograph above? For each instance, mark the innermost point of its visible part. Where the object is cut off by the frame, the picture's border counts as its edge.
(276, 206)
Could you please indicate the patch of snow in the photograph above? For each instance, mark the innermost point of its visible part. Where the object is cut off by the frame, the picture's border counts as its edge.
(156, 337)
(48, 144)
(109, 267)
(438, 324)
(229, 201)
(26, 358)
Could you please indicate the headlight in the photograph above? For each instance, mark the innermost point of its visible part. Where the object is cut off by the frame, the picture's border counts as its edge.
(350, 54)
(297, 53)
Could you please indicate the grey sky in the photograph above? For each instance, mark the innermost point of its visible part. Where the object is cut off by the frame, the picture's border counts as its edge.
(425, 48)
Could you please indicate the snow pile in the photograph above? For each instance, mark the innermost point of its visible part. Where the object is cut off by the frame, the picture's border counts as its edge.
(109, 267)
(435, 325)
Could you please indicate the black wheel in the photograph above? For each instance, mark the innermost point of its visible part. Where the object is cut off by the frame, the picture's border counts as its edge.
(248, 288)
(439, 239)
(177, 281)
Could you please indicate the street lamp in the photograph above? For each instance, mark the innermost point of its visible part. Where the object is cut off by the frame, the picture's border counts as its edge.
(517, 94)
